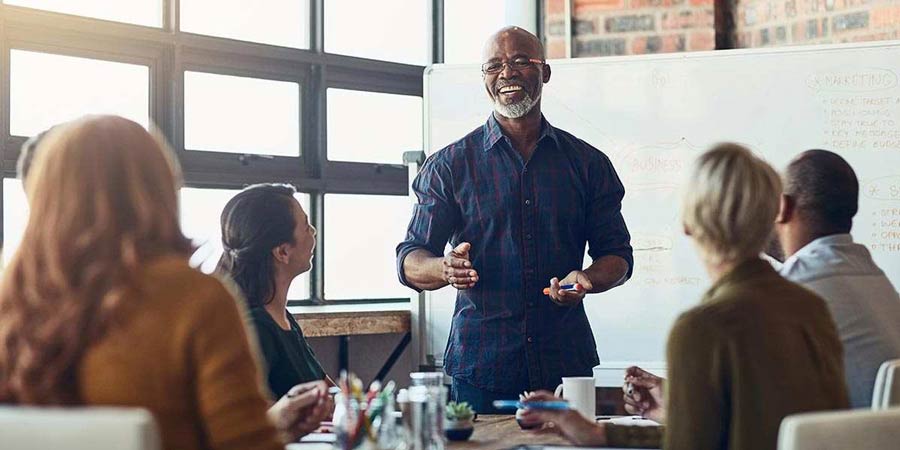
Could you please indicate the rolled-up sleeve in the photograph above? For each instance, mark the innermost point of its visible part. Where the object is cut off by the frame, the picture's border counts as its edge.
(607, 232)
(435, 214)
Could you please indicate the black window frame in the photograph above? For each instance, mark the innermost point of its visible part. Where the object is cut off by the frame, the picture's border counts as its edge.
(169, 52)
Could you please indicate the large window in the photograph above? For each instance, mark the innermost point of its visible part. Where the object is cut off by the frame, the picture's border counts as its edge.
(261, 116)
(391, 30)
(140, 12)
(372, 127)
(322, 95)
(276, 22)
(363, 232)
(46, 89)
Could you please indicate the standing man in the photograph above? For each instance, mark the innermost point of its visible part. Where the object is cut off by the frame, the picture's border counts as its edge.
(517, 199)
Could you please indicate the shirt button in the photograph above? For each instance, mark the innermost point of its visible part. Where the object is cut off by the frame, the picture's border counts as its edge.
(527, 202)
(528, 236)
(531, 304)
(530, 339)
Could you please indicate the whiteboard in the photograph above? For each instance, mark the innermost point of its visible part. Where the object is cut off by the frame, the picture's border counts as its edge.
(652, 115)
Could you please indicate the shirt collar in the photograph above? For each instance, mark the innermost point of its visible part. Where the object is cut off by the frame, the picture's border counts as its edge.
(813, 246)
(493, 133)
(752, 268)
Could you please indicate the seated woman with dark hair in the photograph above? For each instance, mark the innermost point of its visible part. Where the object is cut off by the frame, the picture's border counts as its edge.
(268, 241)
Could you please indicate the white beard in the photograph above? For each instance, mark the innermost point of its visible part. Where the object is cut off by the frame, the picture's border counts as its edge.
(518, 109)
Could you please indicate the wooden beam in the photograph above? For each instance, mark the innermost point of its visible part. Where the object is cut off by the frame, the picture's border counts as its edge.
(320, 324)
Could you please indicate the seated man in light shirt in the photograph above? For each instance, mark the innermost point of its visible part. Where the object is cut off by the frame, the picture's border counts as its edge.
(820, 198)
(817, 208)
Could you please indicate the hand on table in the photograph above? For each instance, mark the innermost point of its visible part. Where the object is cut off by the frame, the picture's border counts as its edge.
(567, 423)
(301, 410)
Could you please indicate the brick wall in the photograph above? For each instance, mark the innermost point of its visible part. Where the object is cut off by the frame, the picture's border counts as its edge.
(762, 23)
(626, 27)
(554, 28)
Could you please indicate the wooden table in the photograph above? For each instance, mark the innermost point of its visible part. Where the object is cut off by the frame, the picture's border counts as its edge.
(500, 432)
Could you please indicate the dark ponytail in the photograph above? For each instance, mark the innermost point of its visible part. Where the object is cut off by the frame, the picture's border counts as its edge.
(255, 221)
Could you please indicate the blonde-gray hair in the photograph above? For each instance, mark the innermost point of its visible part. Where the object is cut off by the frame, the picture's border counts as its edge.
(730, 203)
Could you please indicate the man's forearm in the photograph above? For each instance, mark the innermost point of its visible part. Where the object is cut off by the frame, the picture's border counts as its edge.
(607, 272)
(424, 270)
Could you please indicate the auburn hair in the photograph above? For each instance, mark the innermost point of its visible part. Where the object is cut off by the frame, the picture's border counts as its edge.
(103, 200)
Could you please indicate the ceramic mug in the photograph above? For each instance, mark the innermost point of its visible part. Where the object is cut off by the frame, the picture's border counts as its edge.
(580, 393)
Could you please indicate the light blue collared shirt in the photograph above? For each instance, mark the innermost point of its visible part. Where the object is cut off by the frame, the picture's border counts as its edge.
(863, 302)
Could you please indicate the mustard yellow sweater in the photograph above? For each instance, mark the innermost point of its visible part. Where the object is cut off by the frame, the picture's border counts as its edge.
(180, 350)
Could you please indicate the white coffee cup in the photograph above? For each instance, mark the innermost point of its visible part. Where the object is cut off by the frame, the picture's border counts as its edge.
(580, 393)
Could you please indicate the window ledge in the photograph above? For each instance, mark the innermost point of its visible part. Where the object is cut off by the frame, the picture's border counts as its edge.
(351, 320)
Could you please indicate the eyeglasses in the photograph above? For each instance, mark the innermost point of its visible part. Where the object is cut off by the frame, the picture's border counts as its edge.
(516, 64)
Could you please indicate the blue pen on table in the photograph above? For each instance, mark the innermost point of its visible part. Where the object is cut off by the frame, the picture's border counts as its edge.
(517, 404)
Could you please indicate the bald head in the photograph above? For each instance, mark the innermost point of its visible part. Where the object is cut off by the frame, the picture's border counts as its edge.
(516, 38)
(825, 190)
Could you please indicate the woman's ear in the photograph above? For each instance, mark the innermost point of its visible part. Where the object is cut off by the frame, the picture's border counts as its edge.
(281, 253)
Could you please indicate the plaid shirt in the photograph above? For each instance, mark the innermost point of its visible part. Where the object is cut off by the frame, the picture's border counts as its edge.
(526, 223)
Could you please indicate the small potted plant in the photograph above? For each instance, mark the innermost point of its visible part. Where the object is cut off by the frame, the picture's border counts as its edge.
(458, 421)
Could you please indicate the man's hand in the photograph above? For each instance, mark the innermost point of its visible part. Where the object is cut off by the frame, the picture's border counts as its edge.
(570, 298)
(458, 269)
(567, 423)
(644, 394)
(301, 410)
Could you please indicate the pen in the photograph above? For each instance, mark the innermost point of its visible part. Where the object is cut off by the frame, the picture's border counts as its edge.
(516, 404)
(566, 287)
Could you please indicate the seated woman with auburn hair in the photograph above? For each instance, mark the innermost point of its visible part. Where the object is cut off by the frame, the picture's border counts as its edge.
(99, 306)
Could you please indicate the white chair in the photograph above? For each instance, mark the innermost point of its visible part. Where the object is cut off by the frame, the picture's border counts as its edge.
(887, 386)
(841, 430)
(95, 428)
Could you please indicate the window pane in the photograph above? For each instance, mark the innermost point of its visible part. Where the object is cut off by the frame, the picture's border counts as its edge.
(15, 217)
(466, 31)
(372, 127)
(390, 30)
(46, 89)
(260, 116)
(276, 22)
(361, 234)
(201, 210)
(140, 12)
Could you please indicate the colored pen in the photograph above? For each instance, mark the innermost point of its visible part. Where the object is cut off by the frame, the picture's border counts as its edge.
(516, 404)
(566, 287)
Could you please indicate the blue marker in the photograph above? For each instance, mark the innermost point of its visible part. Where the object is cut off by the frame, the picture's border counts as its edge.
(517, 404)
(566, 287)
